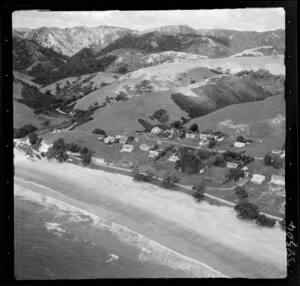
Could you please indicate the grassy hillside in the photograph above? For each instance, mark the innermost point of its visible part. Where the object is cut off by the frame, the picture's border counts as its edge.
(265, 118)
(152, 79)
(123, 116)
(24, 115)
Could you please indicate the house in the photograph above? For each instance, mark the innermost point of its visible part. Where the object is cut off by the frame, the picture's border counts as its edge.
(109, 139)
(190, 135)
(231, 165)
(77, 154)
(239, 144)
(127, 148)
(171, 131)
(101, 138)
(258, 179)
(276, 151)
(204, 136)
(277, 180)
(123, 139)
(201, 171)
(153, 153)
(245, 168)
(44, 147)
(99, 160)
(282, 155)
(242, 182)
(173, 158)
(220, 139)
(155, 130)
(145, 147)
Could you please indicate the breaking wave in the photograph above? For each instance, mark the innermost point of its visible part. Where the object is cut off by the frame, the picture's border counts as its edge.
(149, 250)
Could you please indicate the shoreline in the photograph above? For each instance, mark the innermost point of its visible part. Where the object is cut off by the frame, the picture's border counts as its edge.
(152, 200)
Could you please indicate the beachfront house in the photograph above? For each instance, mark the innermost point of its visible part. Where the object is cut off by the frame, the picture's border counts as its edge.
(276, 151)
(239, 144)
(153, 153)
(190, 135)
(127, 148)
(109, 139)
(258, 179)
(282, 155)
(277, 180)
(173, 158)
(155, 130)
(231, 165)
(99, 160)
(44, 147)
(145, 147)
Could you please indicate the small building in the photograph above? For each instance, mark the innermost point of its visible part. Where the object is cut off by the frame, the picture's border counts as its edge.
(145, 147)
(258, 179)
(109, 139)
(245, 168)
(155, 130)
(276, 151)
(220, 139)
(153, 153)
(239, 144)
(203, 142)
(190, 135)
(136, 139)
(101, 137)
(171, 131)
(204, 136)
(99, 160)
(44, 147)
(123, 139)
(231, 165)
(282, 155)
(127, 148)
(76, 154)
(277, 180)
(173, 158)
(201, 171)
(242, 182)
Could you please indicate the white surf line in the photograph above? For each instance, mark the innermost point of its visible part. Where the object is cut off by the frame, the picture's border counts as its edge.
(66, 206)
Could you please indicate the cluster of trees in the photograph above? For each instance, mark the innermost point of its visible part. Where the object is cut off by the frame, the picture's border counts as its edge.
(188, 162)
(148, 126)
(164, 152)
(169, 181)
(243, 139)
(161, 115)
(99, 131)
(234, 174)
(198, 191)
(144, 87)
(274, 161)
(230, 156)
(82, 116)
(139, 177)
(194, 128)
(250, 211)
(23, 131)
(241, 192)
(34, 139)
(59, 149)
(121, 96)
(37, 101)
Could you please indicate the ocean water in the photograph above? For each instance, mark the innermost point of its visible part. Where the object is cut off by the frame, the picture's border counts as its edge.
(57, 241)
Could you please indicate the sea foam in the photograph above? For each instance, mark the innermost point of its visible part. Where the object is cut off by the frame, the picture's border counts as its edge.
(150, 250)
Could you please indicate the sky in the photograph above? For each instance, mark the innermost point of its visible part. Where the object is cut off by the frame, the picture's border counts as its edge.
(250, 19)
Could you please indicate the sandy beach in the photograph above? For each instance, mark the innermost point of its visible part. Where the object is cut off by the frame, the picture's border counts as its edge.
(196, 235)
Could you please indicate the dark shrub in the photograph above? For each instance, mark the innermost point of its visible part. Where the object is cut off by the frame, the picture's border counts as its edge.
(277, 162)
(268, 160)
(194, 128)
(241, 193)
(198, 191)
(262, 220)
(246, 210)
(235, 174)
(169, 181)
(99, 131)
